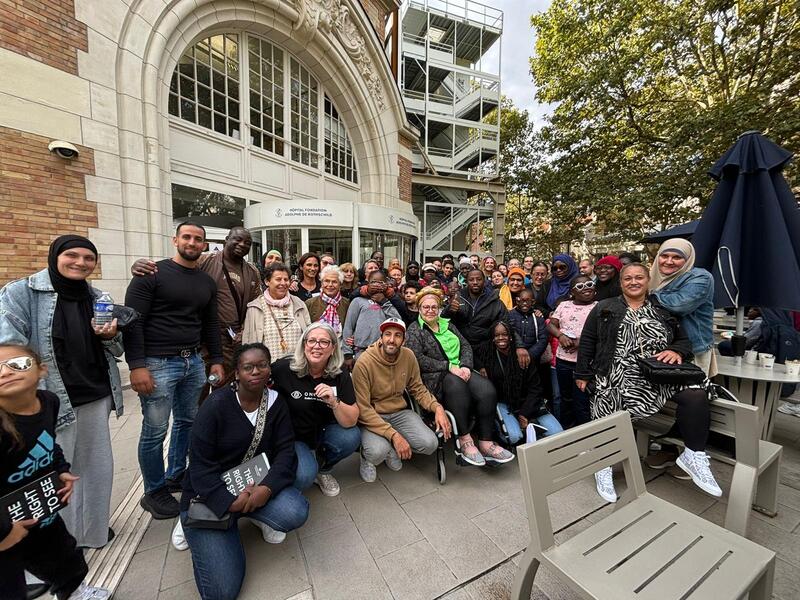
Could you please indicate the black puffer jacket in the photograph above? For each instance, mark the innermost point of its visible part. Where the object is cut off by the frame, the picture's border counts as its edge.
(599, 336)
(433, 363)
(476, 316)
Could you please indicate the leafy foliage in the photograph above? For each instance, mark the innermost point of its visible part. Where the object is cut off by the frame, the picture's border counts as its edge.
(648, 94)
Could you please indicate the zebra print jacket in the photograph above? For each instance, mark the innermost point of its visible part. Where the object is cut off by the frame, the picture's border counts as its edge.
(599, 336)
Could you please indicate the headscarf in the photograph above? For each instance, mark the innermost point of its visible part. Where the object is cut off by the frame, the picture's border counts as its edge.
(610, 288)
(331, 314)
(559, 287)
(413, 277)
(517, 271)
(68, 289)
(430, 291)
(679, 245)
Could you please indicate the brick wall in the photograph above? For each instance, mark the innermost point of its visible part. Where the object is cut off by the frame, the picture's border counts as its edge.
(41, 197)
(376, 12)
(404, 180)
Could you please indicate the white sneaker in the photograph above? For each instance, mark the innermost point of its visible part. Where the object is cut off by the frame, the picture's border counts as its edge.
(367, 470)
(270, 535)
(327, 484)
(696, 464)
(790, 408)
(394, 462)
(86, 592)
(605, 485)
(178, 539)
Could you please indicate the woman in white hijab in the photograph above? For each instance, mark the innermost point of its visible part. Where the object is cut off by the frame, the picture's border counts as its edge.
(688, 292)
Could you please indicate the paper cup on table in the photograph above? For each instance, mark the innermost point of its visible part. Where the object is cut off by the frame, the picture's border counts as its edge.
(793, 367)
(751, 357)
(767, 360)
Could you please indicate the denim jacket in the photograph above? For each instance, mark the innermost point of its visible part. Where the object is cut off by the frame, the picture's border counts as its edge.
(27, 307)
(691, 297)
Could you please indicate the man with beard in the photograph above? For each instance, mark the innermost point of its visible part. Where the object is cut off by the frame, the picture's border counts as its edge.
(237, 285)
(390, 431)
(178, 312)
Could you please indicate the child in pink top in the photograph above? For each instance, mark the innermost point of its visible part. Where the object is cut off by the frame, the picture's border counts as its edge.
(566, 325)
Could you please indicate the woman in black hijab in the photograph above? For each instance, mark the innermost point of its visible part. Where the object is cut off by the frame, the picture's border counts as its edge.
(52, 312)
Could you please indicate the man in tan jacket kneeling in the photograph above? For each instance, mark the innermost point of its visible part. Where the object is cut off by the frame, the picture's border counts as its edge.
(389, 430)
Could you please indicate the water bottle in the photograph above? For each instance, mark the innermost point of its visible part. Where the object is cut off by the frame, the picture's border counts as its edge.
(103, 309)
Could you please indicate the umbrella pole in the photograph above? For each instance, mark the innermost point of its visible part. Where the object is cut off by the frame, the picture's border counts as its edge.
(739, 329)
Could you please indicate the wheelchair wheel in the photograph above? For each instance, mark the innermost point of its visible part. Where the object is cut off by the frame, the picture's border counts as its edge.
(441, 471)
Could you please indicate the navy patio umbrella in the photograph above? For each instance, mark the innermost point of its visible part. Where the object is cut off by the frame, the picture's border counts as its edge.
(749, 235)
(684, 230)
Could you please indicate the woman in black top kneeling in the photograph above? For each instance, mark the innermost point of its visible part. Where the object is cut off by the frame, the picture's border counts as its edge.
(221, 435)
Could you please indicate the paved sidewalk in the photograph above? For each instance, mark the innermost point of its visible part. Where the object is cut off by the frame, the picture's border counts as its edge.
(406, 537)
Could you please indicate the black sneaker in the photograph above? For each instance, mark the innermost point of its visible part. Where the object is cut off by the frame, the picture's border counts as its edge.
(35, 590)
(160, 504)
(175, 485)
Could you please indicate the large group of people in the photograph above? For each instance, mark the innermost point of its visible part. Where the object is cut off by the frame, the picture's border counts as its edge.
(308, 364)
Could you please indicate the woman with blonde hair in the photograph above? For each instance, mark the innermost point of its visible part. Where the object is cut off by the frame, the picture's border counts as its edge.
(350, 278)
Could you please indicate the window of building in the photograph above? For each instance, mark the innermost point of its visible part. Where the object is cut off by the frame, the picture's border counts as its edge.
(205, 85)
(210, 209)
(392, 246)
(285, 241)
(336, 242)
(339, 160)
(304, 103)
(266, 95)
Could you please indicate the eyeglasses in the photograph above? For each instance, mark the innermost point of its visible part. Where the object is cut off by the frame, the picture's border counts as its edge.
(18, 363)
(250, 367)
(429, 308)
(583, 285)
(311, 342)
(560, 267)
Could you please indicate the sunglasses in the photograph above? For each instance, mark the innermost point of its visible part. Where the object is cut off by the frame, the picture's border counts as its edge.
(560, 267)
(583, 285)
(18, 363)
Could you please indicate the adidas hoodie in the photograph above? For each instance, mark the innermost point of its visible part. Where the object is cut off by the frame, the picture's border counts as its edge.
(38, 455)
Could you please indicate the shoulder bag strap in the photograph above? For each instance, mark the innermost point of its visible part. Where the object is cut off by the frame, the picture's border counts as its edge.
(284, 345)
(237, 300)
(261, 418)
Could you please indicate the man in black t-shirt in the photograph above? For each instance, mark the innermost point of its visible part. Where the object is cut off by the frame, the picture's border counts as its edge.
(178, 308)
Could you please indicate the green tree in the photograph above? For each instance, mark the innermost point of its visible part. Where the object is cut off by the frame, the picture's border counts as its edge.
(649, 93)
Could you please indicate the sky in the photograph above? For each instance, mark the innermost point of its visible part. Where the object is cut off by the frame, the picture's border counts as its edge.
(517, 48)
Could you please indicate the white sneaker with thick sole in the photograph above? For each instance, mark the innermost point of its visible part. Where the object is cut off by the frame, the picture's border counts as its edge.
(394, 462)
(178, 539)
(696, 465)
(367, 470)
(327, 484)
(86, 592)
(270, 535)
(790, 408)
(605, 484)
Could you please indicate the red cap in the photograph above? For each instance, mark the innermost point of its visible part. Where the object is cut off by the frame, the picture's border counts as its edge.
(611, 261)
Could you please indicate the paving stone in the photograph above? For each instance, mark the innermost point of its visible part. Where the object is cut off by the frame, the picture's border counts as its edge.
(471, 492)
(383, 525)
(787, 581)
(459, 594)
(121, 487)
(158, 533)
(184, 591)
(507, 526)
(460, 543)
(495, 585)
(409, 483)
(143, 575)
(788, 496)
(130, 429)
(341, 567)
(571, 503)
(671, 490)
(177, 568)
(279, 568)
(304, 595)
(126, 457)
(346, 471)
(416, 572)
(324, 513)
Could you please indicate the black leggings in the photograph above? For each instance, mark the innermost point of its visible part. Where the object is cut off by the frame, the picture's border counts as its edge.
(474, 398)
(693, 417)
(48, 553)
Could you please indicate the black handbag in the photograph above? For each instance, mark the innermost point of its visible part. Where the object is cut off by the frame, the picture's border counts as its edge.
(199, 515)
(661, 373)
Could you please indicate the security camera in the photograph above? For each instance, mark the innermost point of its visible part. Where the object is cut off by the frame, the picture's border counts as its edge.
(63, 149)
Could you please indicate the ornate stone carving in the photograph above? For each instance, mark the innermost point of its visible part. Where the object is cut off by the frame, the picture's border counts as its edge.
(333, 16)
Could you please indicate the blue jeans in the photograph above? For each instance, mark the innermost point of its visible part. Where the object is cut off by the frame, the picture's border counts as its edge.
(178, 382)
(574, 402)
(514, 431)
(337, 443)
(217, 555)
(556, 393)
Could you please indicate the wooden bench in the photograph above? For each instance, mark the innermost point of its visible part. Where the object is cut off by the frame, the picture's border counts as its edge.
(756, 461)
(647, 549)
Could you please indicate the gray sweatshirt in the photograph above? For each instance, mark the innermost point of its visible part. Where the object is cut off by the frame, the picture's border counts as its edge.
(364, 318)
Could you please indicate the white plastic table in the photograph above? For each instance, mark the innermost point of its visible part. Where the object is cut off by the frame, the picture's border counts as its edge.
(756, 385)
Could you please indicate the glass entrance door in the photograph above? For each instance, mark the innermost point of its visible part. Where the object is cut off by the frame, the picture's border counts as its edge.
(338, 242)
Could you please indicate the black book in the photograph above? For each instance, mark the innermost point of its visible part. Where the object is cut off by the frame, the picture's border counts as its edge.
(251, 472)
(36, 500)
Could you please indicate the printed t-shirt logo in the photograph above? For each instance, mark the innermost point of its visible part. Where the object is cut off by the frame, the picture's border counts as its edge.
(297, 394)
(40, 456)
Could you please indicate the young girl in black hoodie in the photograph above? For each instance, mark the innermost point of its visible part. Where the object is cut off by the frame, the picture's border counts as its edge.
(28, 451)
